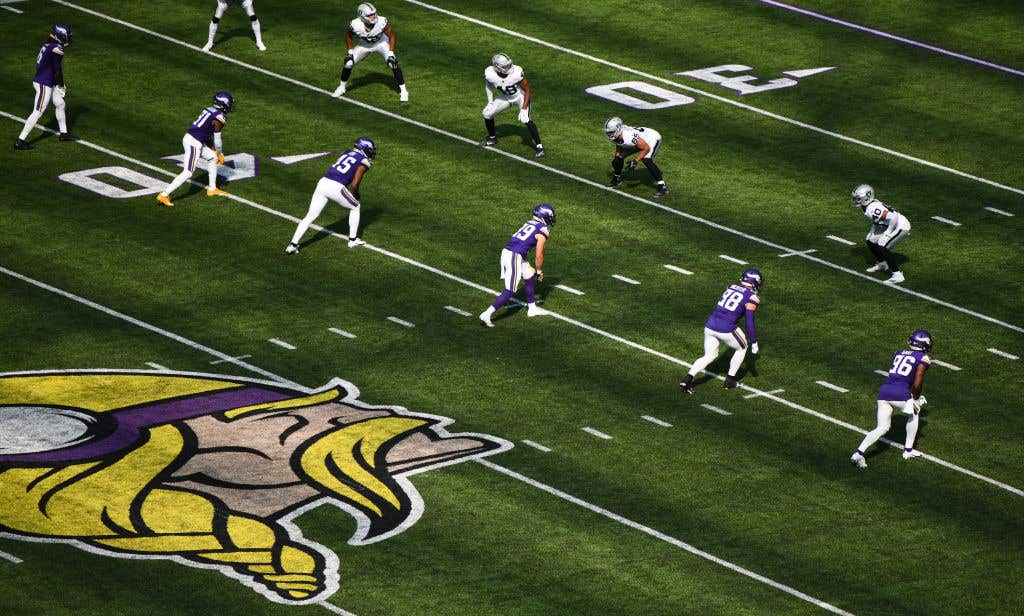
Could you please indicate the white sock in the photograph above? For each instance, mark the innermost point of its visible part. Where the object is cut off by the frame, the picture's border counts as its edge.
(912, 424)
(30, 123)
(62, 118)
(256, 32)
(736, 362)
(176, 183)
(489, 311)
(213, 33)
(211, 170)
(353, 223)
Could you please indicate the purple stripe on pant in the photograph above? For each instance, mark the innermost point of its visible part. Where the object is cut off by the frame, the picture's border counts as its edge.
(40, 98)
(739, 338)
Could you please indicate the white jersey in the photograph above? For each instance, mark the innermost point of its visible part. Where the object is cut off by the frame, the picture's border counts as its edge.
(369, 35)
(630, 136)
(508, 86)
(882, 215)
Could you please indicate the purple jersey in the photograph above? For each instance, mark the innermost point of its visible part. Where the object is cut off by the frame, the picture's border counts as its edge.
(202, 128)
(525, 238)
(901, 375)
(731, 308)
(48, 64)
(343, 170)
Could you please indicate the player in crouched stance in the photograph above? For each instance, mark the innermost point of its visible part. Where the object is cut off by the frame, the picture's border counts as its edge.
(374, 35)
(902, 391)
(515, 267)
(222, 5)
(340, 184)
(738, 301)
(197, 142)
(513, 91)
(49, 83)
(642, 141)
(888, 228)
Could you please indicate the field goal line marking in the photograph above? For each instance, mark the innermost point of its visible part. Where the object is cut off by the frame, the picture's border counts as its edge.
(501, 469)
(558, 172)
(716, 97)
(489, 291)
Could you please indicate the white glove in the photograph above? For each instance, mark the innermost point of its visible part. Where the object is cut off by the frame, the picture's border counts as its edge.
(524, 115)
(62, 90)
(754, 348)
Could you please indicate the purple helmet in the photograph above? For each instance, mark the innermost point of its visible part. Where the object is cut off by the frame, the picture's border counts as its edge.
(366, 146)
(753, 278)
(62, 34)
(920, 340)
(546, 213)
(223, 101)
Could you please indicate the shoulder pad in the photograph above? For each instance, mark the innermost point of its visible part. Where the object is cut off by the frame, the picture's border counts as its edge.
(754, 297)
(925, 359)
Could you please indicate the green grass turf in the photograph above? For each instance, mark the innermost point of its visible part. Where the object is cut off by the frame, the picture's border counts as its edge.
(768, 488)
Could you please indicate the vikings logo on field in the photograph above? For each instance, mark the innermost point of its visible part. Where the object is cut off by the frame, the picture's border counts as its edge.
(210, 470)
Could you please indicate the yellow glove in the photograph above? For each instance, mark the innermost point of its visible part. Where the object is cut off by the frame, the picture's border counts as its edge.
(540, 275)
(220, 158)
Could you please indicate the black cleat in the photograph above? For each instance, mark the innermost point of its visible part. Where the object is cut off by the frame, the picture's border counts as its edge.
(540, 152)
(731, 383)
(687, 384)
(662, 191)
(616, 180)
(19, 144)
(489, 141)
(67, 137)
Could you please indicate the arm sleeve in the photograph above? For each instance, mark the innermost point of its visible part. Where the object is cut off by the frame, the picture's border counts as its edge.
(751, 330)
(487, 91)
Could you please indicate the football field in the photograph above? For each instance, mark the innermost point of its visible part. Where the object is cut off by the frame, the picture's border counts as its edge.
(164, 370)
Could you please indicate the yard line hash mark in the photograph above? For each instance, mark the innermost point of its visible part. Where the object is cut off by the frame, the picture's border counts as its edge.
(828, 385)
(946, 221)
(569, 289)
(882, 372)
(458, 311)
(281, 343)
(11, 557)
(656, 421)
(341, 332)
(733, 259)
(945, 365)
(596, 433)
(798, 253)
(11, 9)
(596, 185)
(536, 446)
(678, 269)
(1002, 353)
(998, 211)
(221, 361)
(401, 322)
(715, 409)
(840, 240)
(624, 279)
(763, 393)
(157, 366)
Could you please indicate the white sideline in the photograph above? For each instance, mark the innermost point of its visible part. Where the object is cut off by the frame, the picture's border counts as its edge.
(471, 284)
(662, 536)
(716, 97)
(525, 161)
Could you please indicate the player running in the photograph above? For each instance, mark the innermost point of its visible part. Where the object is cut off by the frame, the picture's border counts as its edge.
(513, 91)
(515, 267)
(642, 141)
(738, 302)
(49, 82)
(888, 228)
(203, 141)
(222, 5)
(374, 35)
(340, 184)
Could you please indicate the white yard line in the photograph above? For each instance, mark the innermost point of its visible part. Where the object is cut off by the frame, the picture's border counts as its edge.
(716, 97)
(998, 211)
(946, 221)
(401, 322)
(715, 409)
(678, 269)
(656, 421)
(596, 433)
(1002, 353)
(157, 366)
(282, 344)
(569, 289)
(221, 361)
(835, 238)
(828, 385)
(341, 332)
(938, 362)
(882, 373)
(11, 557)
(763, 393)
(531, 162)
(733, 259)
(457, 311)
(536, 446)
(798, 253)
(624, 279)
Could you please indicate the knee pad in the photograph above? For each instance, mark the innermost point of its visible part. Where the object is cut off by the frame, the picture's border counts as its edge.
(215, 20)
(253, 17)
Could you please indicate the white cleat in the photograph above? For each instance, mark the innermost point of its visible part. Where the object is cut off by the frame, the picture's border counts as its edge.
(261, 46)
(486, 319)
(533, 310)
(881, 266)
(291, 249)
(352, 243)
(208, 47)
(403, 96)
(911, 453)
(339, 91)
(896, 278)
(858, 460)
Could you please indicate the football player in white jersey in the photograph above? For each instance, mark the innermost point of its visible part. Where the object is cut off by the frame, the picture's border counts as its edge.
(373, 35)
(888, 228)
(513, 90)
(642, 141)
(222, 5)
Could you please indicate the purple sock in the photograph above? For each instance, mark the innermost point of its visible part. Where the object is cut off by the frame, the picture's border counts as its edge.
(500, 301)
(528, 289)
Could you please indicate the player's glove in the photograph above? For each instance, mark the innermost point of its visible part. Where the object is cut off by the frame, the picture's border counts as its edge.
(754, 348)
(631, 164)
(220, 158)
(350, 60)
(391, 61)
(919, 402)
(62, 90)
(524, 115)
(540, 275)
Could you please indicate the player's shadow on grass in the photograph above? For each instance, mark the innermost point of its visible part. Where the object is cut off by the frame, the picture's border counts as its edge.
(72, 117)
(721, 366)
(239, 32)
(366, 220)
(376, 77)
(901, 259)
(517, 129)
(898, 433)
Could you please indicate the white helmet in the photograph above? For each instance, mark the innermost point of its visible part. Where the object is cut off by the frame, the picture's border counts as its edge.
(613, 128)
(368, 13)
(862, 196)
(502, 64)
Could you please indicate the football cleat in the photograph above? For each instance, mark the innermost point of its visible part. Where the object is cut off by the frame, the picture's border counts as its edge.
(533, 310)
(165, 199)
(881, 266)
(403, 96)
(489, 141)
(367, 13)
(292, 249)
(352, 243)
(616, 180)
(19, 144)
(540, 152)
(752, 278)
(261, 46)
(662, 191)
(920, 340)
(366, 146)
(862, 196)
(613, 128)
(687, 384)
(486, 319)
(339, 91)
(858, 460)
(911, 453)
(67, 137)
(216, 192)
(730, 383)
(223, 101)
(502, 64)
(545, 212)
(208, 47)
(896, 278)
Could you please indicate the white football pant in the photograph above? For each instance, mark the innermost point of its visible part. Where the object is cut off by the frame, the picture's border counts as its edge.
(735, 340)
(42, 100)
(881, 235)
(885, 409)
(502, 103)
(195, 151)
(329, 190)
(222, 6)
(514, 268)
(363, 49)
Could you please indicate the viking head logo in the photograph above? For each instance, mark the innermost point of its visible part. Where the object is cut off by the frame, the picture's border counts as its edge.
(210, 470)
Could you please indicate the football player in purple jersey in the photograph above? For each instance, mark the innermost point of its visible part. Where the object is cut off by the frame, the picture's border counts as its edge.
(201, 135)
(738, 302)
(373, 34)
(888, 228)
(49, 83)
(339, 184)
(222, 5)
(901, 390)
(514, 267)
